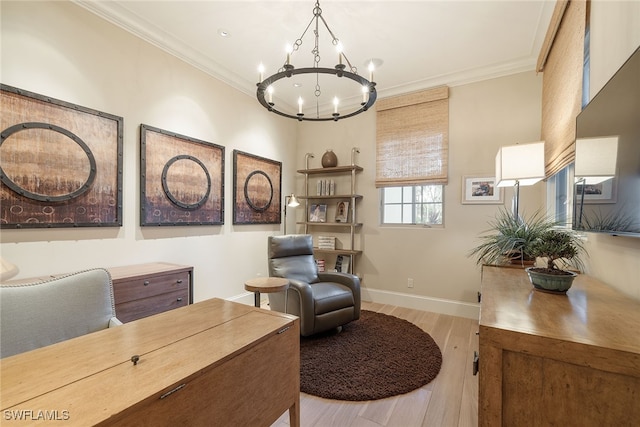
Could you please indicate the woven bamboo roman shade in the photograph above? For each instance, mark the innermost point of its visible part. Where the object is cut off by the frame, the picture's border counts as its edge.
(412, 138)
(561, 59)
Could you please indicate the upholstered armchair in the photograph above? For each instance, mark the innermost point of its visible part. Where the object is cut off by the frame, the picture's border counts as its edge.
(38, 314)
(322, 300)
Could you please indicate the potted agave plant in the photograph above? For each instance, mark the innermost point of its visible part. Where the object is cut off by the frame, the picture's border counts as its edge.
(509, 239)
(560, 248)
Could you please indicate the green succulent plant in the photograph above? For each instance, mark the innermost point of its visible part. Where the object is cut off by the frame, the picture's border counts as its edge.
(510, 238)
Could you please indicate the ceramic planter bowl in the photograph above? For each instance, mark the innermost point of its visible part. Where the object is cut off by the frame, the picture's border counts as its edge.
(555, 283)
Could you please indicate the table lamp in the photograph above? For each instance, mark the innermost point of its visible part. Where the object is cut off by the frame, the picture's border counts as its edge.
(517, 165)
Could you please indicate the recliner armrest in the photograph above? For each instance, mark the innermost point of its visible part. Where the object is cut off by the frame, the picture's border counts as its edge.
(350, 280)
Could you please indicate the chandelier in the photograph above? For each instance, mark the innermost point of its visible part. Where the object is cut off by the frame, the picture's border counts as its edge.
(353, 85)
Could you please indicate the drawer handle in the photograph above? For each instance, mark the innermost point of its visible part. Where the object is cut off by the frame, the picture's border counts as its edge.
(179, 280)
(146, 283)
(170, 392)
(283, 330)
(479, 297)
(476, 363)
(179, 299)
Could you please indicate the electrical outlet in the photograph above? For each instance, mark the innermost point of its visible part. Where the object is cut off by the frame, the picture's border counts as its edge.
(409, 282)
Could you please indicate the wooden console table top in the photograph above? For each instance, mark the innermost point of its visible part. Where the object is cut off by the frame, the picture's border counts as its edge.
(93, 378)
(591, 312)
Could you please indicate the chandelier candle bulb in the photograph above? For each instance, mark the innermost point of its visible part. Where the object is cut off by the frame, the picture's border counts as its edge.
(364, 94)
(335, 105)
(371, 68)
(289, 50)
(300, 105)
(270, 93)
(261, 73)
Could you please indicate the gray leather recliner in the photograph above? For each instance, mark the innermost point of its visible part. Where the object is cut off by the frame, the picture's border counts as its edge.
(323, 301)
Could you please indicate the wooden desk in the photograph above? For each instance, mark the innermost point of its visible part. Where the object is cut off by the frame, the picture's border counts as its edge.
(566, 360)
(211, 363)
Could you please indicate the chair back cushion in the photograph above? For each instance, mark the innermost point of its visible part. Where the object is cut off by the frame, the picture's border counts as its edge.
(34, 315)
(291, 256)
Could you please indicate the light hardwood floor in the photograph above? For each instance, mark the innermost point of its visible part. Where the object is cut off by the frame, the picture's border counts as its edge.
(448, 401)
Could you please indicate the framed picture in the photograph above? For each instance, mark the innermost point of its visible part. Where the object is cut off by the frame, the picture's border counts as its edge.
(181, 179)
(342, 263)
(342, 212)
(481, 190)
(61, 163)
(318, 213)
(256, 189)
(604, 192)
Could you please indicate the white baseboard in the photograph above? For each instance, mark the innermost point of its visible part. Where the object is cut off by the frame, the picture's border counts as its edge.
(435, 305)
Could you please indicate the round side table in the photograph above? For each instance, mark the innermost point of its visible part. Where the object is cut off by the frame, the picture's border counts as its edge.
(267, 285)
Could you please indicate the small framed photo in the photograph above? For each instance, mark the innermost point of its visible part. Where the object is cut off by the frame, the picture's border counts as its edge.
(481, 190)
(342, 212)
(604, 192)
(318, 213)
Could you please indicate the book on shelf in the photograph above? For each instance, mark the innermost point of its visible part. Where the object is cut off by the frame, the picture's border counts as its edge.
(326, 242)
(320, 264)
(325, 187)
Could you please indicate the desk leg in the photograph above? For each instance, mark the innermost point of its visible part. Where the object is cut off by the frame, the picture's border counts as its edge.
(256, 298)
(294, 414)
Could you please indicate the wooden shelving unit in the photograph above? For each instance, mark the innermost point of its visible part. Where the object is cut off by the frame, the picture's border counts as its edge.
(329, 227)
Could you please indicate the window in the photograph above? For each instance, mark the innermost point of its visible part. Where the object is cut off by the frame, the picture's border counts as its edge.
(560, 196)
(415, 204)
(412, 146)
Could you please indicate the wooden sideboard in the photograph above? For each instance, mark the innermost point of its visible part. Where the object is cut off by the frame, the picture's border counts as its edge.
(145, 289)
(565, 360)
(211, 363)
(142, 290)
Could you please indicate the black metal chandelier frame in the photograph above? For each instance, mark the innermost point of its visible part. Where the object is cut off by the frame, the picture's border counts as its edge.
(288, 70)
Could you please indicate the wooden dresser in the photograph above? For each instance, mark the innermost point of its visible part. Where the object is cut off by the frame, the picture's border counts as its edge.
(564, 360)
(213, 363)
(145, 289)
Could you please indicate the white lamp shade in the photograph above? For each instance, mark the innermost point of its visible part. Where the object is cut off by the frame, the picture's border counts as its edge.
(293, 201)
(596, 159)
(523, 163)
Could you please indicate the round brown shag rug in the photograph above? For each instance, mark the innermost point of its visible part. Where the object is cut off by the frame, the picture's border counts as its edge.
(372, 358)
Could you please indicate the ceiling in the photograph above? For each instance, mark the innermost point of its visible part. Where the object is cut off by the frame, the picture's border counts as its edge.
(420, 44)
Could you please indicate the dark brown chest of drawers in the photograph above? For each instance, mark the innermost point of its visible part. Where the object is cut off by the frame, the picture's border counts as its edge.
(146, 289)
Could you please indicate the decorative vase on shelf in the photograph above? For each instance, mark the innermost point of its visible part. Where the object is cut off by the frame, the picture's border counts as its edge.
(329, 159)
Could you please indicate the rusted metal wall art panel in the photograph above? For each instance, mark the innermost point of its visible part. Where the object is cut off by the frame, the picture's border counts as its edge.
(182, 179)
(256, 189)
(60, 163)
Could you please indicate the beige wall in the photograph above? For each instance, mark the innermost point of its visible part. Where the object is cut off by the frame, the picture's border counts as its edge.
(483, 117)
(60, 50)
(615, 35)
